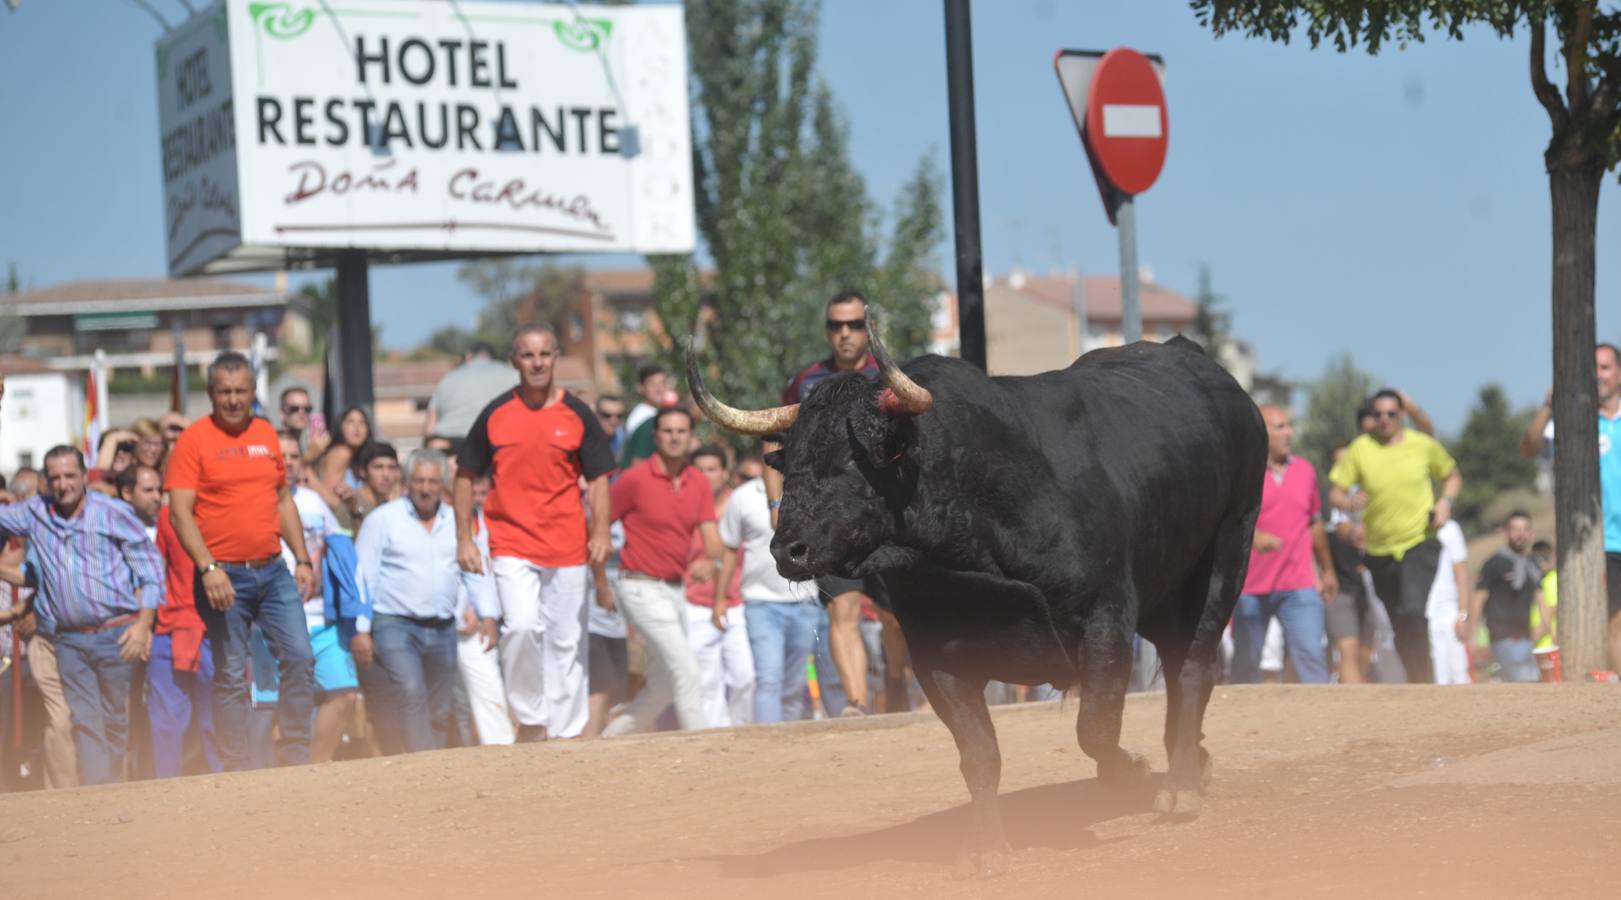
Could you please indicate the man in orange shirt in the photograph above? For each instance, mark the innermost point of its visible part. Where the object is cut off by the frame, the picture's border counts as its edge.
(230, 507)
(536, 442)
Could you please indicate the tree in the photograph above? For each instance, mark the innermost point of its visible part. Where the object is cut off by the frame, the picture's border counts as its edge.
(1488, 453)
(12, 328)
(1585, 143)
(1331, 409)
(783, 216)
(516, 291)
(1212, 323)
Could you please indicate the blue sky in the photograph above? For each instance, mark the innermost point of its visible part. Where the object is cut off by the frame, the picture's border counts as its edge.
(1394, 207)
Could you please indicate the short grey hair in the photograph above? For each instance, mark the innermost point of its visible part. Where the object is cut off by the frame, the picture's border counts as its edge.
(427, 456)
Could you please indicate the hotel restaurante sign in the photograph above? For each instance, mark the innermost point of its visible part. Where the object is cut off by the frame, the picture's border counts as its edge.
(422, 130)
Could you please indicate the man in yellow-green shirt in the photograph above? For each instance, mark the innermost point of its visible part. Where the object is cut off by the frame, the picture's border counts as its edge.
(1395, 469)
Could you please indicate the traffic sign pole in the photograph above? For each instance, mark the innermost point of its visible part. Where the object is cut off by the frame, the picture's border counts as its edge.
(1131, 308)
(1118, 102)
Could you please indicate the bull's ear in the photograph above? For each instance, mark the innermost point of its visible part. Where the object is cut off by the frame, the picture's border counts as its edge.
(776, 460)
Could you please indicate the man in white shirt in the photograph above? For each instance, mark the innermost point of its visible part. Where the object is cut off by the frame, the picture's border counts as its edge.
(407, 566)
(781, 622)
(1448, 623)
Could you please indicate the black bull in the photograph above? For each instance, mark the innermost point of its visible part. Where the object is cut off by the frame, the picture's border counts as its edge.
(1026, 527)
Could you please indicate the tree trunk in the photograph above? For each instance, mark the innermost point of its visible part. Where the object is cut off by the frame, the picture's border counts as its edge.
(1577, 501)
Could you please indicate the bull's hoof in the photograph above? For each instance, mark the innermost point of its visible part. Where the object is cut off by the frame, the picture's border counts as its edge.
(983, 864)
(1207, 767)
(1127, 772)
(1178, 805)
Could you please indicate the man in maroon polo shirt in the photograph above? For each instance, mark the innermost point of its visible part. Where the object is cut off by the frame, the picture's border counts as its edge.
(662, 500)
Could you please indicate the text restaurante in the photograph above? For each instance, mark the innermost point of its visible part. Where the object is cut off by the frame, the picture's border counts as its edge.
(337, 122)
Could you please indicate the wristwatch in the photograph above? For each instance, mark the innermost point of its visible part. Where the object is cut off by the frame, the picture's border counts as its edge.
(211, 567)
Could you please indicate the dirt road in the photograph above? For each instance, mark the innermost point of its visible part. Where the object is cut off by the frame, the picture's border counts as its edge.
(1488, 791)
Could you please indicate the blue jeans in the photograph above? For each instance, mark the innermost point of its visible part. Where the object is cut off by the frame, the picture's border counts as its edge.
(1300, 612)
(269, 598)
(780, 637)
(96, 684)
(1515, 658)
(418, 660)
(174, 702)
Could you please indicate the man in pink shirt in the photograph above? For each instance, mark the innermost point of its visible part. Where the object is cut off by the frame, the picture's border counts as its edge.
(1281, 580)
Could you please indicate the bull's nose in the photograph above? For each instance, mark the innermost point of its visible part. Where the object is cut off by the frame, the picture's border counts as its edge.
(793, 559)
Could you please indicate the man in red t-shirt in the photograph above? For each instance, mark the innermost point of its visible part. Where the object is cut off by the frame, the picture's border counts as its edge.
(663, 500)
(231, 509)
(535, 443)
(844, 597)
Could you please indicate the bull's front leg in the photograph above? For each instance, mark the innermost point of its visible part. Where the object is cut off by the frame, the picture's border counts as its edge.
(961, 705)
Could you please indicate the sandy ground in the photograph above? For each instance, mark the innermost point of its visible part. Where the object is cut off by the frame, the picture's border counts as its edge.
(1487, 791)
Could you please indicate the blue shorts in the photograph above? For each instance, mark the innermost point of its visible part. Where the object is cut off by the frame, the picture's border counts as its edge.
(334, 667)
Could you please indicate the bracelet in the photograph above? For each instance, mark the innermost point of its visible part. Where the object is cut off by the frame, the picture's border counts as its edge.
(304, 562)
(773, 504)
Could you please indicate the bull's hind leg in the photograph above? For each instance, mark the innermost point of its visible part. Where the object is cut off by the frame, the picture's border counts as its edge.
(1105, 674)
(961, 705)
(1192, 666)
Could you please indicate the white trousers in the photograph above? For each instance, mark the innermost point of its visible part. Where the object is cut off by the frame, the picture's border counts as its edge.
(658, 611)
(486, 692)
(1447, 653)
(725, 666)
(543, 644)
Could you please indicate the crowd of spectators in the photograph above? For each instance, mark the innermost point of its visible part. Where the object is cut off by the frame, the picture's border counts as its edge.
(224, 594)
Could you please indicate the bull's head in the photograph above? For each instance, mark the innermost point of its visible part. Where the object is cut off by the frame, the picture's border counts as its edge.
(846, 473)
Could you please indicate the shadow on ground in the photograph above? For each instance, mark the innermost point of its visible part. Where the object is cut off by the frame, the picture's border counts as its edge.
(1051, 816)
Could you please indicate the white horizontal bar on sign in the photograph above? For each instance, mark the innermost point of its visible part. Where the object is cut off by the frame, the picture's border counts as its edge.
(1122, 120)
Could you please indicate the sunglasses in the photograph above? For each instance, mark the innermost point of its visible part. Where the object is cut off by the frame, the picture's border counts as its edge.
(608, 415)
(297, 409)
(853, 324)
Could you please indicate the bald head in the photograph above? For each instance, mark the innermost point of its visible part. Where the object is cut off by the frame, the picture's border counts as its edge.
(1280, 432)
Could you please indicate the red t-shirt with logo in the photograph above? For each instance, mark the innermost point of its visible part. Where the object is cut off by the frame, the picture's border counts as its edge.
(535, 459)
(660, 515)
(238, 479)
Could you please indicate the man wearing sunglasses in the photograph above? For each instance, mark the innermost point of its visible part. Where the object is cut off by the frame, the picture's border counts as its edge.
(847, 337)
(295, 412)
(1396, 468)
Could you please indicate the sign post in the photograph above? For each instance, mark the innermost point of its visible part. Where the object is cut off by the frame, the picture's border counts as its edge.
(1118, 102)
(315, 135)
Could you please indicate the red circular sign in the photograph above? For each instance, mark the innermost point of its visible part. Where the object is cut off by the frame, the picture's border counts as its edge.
(1126, 122)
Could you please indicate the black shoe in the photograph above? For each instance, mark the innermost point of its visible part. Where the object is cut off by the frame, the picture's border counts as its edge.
(531, 734)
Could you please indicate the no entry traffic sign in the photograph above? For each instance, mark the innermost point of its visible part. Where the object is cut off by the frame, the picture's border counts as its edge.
(1126, 121)
(1119, 108)
(1118, 104)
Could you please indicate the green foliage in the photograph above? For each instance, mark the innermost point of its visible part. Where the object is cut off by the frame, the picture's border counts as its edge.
(12, 327)
(1587, 119)
(322, 299)
(1488, 455)
(1213, 323)
(516, 291)
(131, 381)
(783, 214)
(1331, 409)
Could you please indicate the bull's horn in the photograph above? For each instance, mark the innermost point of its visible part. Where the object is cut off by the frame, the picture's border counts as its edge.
(755, 422)
(901, 396)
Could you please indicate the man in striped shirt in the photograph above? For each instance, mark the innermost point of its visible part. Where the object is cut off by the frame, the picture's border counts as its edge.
(100, 582)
